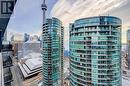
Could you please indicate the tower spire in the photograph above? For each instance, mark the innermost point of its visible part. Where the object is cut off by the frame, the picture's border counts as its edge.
(44, 8)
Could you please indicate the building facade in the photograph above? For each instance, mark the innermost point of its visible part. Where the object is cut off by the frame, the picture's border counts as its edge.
(95, 51)
(6, 52)
(31, 46)
(52, 52)
(26, 37)
(5, 17)
(128, 47)
(7, 63)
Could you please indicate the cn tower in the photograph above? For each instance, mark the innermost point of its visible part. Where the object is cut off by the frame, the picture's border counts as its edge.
(44, 8)
(52, 50)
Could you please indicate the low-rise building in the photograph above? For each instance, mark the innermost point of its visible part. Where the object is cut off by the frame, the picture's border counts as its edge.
(30, 65)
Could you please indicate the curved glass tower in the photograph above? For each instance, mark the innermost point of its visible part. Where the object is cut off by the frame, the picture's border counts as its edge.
(52, 52)
(95, 51)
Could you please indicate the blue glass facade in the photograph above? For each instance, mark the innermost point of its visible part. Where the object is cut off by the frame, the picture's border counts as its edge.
(95, 51)
(52, 52)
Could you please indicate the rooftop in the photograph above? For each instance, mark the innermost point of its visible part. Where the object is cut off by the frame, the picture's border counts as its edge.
(125, 81)
(31, 64)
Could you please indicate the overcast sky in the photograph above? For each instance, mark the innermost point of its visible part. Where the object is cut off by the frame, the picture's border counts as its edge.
(28, 14)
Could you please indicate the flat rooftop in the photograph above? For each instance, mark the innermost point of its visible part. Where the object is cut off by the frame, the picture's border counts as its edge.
(30, 65)
(125, 81)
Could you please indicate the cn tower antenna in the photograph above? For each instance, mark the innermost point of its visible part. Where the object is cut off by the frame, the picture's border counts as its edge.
(44, 8)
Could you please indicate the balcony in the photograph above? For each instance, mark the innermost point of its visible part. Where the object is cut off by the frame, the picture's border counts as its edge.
(7, 61)
(7, 47)
(8, 78)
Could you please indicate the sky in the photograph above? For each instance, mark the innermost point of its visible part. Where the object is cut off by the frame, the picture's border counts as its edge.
(27, 16)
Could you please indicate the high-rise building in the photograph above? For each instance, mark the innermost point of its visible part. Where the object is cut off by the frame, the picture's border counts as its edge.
(95, 51)
(128, 47)
(6, 52)
(52, 52)
(26, 37)
(5, 17)
(6, 57)
(18, 49)
(17, 38)
(31, 46)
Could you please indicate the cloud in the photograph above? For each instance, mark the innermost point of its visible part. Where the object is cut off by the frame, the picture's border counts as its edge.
(70, 10)
(19, 35)
(38, 33)
(11, 32)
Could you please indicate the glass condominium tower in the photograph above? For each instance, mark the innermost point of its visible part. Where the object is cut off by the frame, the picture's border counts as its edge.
(52, 52)
(95, 51)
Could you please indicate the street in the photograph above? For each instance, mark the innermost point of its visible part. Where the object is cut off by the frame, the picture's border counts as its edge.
(17, 77)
